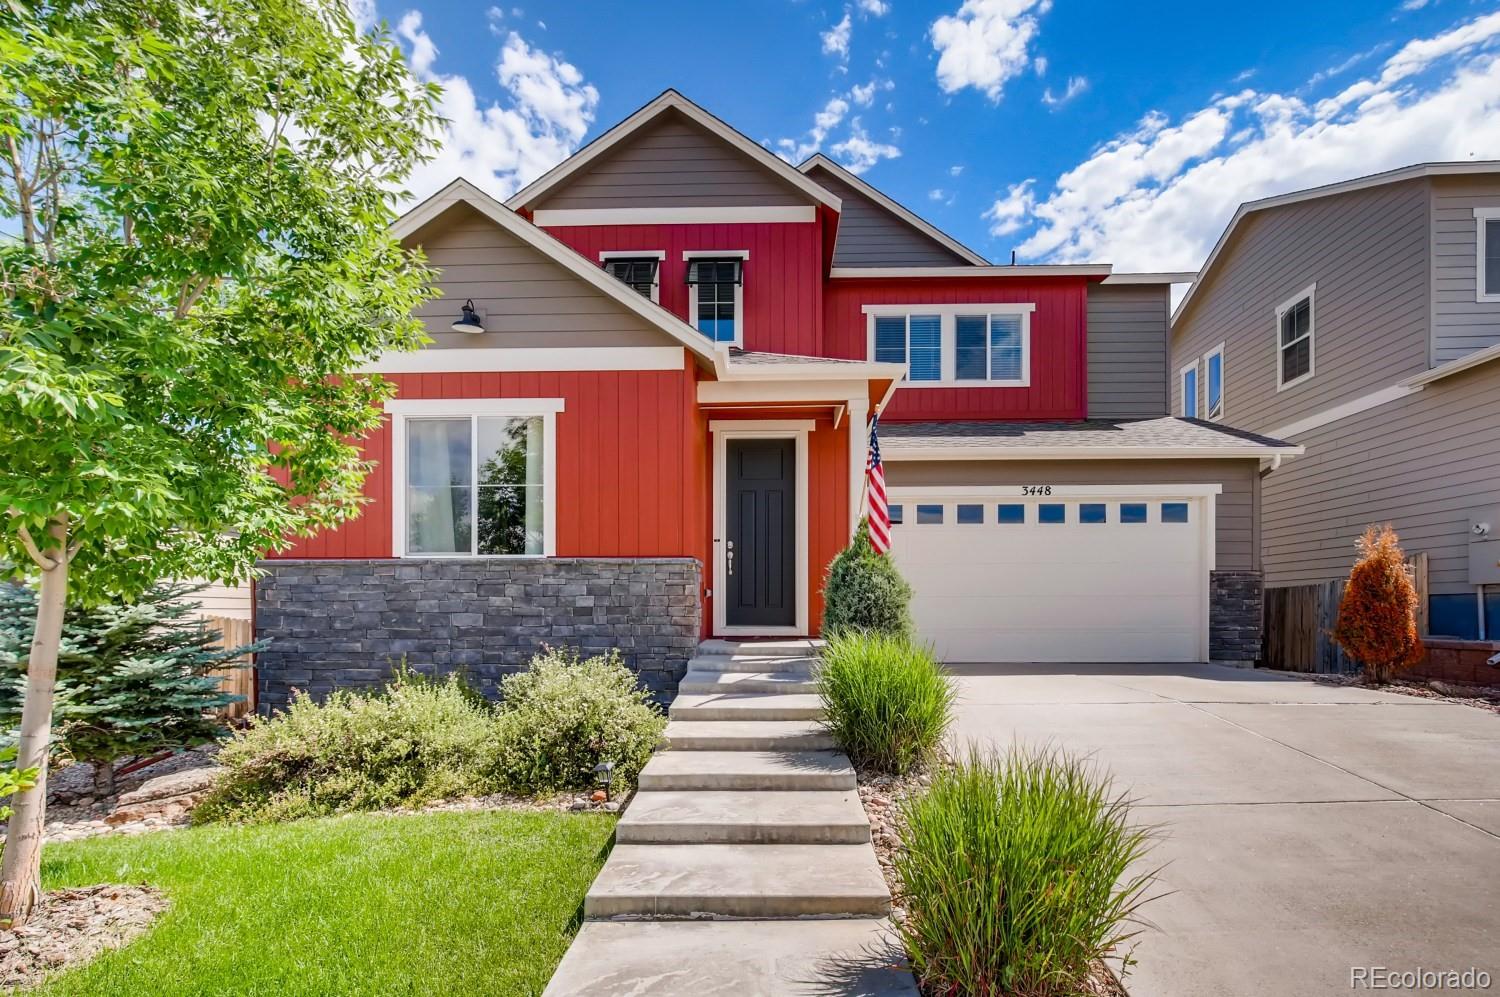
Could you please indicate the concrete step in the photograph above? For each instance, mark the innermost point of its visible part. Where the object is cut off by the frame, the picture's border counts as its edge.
(746, 735)
(749, 706)
(750, 663)
(793, 647)
(739, 881)
(746, 958)
(697, 682)
(762, 770)
(740, 817)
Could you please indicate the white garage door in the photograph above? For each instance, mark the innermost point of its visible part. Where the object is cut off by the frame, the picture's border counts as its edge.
(1045, 573)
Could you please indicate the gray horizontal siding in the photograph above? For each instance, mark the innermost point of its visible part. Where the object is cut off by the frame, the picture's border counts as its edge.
(1128, 327)
(526, 298)
(1421, 463)
(1366, 251)
(1234, 525)
(674, 163)
(871, 236)
(1460, 324)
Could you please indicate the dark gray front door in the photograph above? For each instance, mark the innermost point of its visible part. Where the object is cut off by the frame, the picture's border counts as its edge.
(761, 551)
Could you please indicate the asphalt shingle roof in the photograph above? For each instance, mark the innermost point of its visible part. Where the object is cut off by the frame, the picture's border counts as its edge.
(1088, 433)
(738, 356)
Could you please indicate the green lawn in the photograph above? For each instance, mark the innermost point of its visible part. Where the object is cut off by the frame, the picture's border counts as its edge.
(449, 903)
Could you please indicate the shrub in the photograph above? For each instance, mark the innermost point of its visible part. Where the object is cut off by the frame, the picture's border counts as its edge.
(132, 679)
(411, 743)
(1377, 621)
(864, 591)
(1016, 873)
(566, 714)
(886, 700)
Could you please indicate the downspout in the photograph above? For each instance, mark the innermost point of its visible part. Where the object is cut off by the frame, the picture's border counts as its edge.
(1269, 468)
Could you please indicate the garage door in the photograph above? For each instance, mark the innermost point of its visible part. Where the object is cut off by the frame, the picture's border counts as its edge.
(1044, 573)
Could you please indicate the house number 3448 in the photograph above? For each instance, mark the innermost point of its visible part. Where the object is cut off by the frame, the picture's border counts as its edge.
(1036, 489)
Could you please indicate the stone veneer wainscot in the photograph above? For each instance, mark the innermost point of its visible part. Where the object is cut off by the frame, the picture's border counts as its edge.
(1235, 617)
(346, 624)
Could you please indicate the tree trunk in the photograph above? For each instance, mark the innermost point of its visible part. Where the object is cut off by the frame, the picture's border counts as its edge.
(104, 779)
(20, 872)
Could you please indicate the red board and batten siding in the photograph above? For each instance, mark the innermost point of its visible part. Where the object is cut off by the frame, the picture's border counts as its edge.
(632, 474)
(783, 289)
(1059, 366)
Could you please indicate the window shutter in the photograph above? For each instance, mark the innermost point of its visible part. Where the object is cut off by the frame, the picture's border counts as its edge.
(639, 273)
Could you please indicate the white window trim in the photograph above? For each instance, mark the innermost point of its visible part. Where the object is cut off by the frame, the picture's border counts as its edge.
(639, 254)
(739, 291)
(1182, 373)
(1482, 215)
(402, 409)
(948, 342)
(1208, 413)
(1310, 293)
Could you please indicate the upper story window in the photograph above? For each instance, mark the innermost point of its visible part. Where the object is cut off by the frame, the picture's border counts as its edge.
(1213, 383)
(954, 345)
(716, 300)
(640, 269)
(1189, 377)
(1487, 269)
(1294, 339)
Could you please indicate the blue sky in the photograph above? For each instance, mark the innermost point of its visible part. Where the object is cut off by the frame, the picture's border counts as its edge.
(1063, 129)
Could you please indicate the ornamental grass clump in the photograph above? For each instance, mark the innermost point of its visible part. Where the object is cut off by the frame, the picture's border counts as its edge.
(566, 714)
(886, 700)
(1020, 872)
(1377, 622)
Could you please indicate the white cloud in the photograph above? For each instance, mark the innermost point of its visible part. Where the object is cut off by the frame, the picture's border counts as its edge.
(985, 43)
(836, 38)
(1157, 197)
(1039, 65)
(1413, 4)
(501, 148)
(363, 13)
(864, 95)
(795, 151)
(859, 152)
(875, 8)
(940, 196)
(1076, 85)
(957, 170)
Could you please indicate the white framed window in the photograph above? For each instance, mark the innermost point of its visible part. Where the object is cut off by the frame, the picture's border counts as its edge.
(968, 345)
(1213, 384)
(1188, 376)
(474, 477)
(1295, 326)
(1487, 254)
(716, 293)
(640, 268)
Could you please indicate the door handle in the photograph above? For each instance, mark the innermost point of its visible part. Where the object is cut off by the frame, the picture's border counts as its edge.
(729, 556)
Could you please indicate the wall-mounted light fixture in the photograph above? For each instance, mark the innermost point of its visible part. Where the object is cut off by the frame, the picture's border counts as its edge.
(469, 321)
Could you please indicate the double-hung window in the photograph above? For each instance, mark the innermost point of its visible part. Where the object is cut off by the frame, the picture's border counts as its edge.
(640, 270)
(1189, 377)
(954, 345)
(716, 283)
(476, 483)
(1487, 246)
(1294, 339)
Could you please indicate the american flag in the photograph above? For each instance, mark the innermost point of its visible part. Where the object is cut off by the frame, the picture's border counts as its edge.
(880, 513)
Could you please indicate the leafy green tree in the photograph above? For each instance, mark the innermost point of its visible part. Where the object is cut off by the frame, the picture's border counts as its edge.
(132, 679)
(201, 196)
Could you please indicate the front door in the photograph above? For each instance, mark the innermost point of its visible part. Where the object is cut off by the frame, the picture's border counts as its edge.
(760, 550)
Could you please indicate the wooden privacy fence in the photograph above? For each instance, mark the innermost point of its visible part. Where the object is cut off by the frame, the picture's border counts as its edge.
(1299, 621)
(237, 681)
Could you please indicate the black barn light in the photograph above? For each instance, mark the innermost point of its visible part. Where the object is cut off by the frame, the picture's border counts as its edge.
(469, 321)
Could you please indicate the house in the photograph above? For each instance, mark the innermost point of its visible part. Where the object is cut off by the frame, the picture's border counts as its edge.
(1361, 320)
(644, 416)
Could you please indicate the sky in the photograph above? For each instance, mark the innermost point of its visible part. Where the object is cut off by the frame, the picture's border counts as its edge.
(1059, 130)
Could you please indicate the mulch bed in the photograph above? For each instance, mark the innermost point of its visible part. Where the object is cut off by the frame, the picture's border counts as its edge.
(70, 927)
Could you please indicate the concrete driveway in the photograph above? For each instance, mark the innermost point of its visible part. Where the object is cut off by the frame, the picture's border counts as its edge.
(1309, 829)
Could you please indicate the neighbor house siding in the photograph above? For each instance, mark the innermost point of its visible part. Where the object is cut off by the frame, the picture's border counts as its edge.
(525, 299)
(1128, 327)
(783, 289)
(1058, 366)
(870, 236)
(1421, 463)
(1366, 251)
(1235, 508)
(672, 163)
(1460, 324)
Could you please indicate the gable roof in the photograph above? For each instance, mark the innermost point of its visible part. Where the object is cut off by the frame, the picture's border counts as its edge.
(1416, 172)
(819, 161)
(669, 100)
(460, 191)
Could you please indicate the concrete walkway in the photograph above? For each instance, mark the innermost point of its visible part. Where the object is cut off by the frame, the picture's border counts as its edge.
(1309, 829)
(743, 865)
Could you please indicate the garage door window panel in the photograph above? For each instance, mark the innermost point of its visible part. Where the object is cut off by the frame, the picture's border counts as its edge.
(929, 515)
(895, 512)
(1092, 513)
(1133, 512)
(1051, 513)
(969, 515)
(1010, 514)
(1174, 512)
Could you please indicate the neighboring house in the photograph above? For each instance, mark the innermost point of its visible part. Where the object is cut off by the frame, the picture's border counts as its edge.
(1362, 321)
(655, 431)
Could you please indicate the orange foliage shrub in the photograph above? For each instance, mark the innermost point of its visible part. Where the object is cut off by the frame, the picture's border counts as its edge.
(1377, 623)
